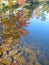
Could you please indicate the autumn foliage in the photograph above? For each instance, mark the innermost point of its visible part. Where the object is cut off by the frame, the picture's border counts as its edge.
(21, 2)
(14, 26)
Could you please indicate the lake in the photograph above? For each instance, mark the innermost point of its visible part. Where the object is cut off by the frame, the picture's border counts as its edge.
(38, 33)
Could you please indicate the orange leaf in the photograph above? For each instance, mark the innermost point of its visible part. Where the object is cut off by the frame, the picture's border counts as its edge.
(21, 2)
(22, 31)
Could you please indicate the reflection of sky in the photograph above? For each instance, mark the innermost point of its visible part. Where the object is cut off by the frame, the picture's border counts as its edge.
(47, 16)
(39, 32)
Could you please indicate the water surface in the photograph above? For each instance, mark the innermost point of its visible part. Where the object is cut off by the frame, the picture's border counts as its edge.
(39, 33)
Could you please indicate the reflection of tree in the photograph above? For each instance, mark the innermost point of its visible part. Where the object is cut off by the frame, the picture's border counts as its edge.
(13, 25)
(13, 18)
(13, 22)
(34, 6)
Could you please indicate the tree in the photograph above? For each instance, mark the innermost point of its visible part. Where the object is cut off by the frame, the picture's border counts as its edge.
(13, 26)
(14, 18)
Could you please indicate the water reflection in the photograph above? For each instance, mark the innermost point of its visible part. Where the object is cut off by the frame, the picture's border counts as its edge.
(39, 33)
(33, 51)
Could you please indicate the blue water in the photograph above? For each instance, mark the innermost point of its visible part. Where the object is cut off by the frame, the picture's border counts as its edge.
(38, 33)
